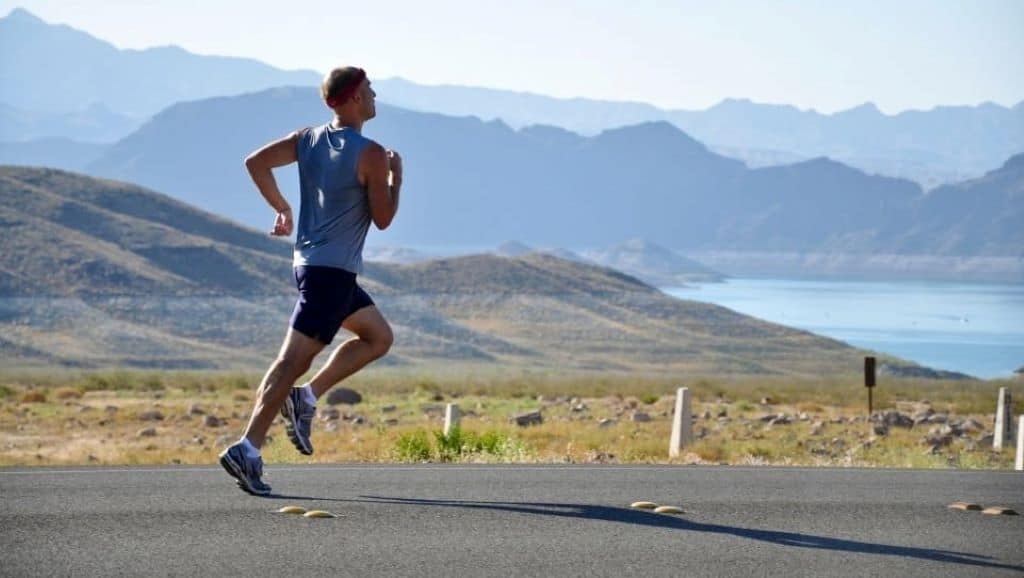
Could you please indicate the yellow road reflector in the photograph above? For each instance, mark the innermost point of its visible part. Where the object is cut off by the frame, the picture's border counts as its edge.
(668, 510)
(999, 511)
(319, 514)
(644, 505)
(964, 506)
(292, 510)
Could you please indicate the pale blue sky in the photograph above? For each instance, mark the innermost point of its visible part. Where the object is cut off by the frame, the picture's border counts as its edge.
(826, 55)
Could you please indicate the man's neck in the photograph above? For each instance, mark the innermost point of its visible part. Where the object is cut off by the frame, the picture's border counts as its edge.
(345, 122)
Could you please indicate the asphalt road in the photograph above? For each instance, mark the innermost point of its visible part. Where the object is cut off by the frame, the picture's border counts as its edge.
(443, 520)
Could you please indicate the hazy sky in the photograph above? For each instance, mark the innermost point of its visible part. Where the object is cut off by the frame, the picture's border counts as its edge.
(827, 54)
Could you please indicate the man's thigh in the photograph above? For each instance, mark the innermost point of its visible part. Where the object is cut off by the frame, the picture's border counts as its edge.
(299, 348)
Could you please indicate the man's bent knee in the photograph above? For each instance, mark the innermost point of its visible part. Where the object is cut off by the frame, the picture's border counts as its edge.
(382, 343)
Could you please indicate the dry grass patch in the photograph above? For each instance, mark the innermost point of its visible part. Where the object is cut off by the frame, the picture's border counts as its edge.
(586, 419)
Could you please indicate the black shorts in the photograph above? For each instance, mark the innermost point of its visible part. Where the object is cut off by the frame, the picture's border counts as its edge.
(327, 296)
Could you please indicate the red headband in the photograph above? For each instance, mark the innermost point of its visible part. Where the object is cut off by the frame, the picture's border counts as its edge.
(348, 89)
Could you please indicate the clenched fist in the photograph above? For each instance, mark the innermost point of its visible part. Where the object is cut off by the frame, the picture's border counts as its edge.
(395, 166)
(282, 224)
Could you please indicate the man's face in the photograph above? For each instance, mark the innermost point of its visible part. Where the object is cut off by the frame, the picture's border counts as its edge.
(368, 97)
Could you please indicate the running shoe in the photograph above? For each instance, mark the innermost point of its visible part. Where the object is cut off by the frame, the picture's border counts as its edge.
(298, 420)
(245, 469)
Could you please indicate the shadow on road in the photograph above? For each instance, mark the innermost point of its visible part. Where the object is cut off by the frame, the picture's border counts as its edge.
(645, 518)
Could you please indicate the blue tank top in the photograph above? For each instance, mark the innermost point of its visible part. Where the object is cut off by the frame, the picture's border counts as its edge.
(334, 211)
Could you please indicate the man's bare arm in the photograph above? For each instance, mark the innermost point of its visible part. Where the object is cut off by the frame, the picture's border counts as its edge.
(259, 164)
(382, 174)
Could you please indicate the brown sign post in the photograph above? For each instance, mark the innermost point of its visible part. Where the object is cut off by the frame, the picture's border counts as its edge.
(869, 381)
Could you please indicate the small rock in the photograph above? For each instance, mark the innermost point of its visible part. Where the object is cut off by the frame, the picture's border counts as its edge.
(986, 440)
(881, 429)
(767, 417)
(600, 457)
(922, 416)
(332, 426)
(151, 415)
(194, 409)
(893, 419)
(938, 439)
(706, 414)
(147, 432)
(781, 419)
(437, 397)
(723, 413)
(766, 400)
(388, 408)
(528, 418)
(972, 426)
(212, 421)
(606, 422)
(343, 395)
(198, 440)
(432, 410)
(931, 450)
(640, 417)
(358, 420)
(938, 418)
(579, 407)
(804, 416)
(391, 422)
(330, 414)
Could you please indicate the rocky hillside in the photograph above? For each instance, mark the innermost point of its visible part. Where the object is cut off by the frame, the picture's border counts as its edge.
(99, 273)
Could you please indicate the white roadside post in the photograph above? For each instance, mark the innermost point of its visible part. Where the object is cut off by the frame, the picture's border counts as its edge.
(682, 423)
(451, 418)
(1019, 466)
(1003, 417)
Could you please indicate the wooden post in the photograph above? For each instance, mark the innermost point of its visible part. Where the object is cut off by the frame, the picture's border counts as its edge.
(1019, 466)
(451, 418)
(1003, 419)
(682, 423)
(869, 382)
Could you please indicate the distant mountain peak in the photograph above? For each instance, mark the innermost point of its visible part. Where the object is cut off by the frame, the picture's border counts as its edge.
(1014, 163)
(862, 109)
(654, 132)
(21, 15)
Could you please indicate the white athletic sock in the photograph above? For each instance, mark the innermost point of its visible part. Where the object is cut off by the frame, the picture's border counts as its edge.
(307, 392)
(250, 450)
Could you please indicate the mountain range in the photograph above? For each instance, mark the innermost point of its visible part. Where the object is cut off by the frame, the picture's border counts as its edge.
(475, 183)
(97, 273)
(945, 144)
(116, 90)
(53, 70)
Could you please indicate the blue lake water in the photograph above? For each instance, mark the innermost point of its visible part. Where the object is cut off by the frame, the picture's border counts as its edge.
(976, 329)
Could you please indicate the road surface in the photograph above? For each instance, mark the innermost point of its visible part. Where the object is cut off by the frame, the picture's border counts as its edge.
(484, 520)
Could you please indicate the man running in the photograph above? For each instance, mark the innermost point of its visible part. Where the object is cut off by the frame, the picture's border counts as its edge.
(346, 181)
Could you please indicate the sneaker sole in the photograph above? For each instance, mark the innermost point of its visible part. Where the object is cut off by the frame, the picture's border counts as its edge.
(233, 470)
(288, 412)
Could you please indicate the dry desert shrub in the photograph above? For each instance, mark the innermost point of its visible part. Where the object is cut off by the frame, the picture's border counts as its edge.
(33, 396)
(67, 393)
